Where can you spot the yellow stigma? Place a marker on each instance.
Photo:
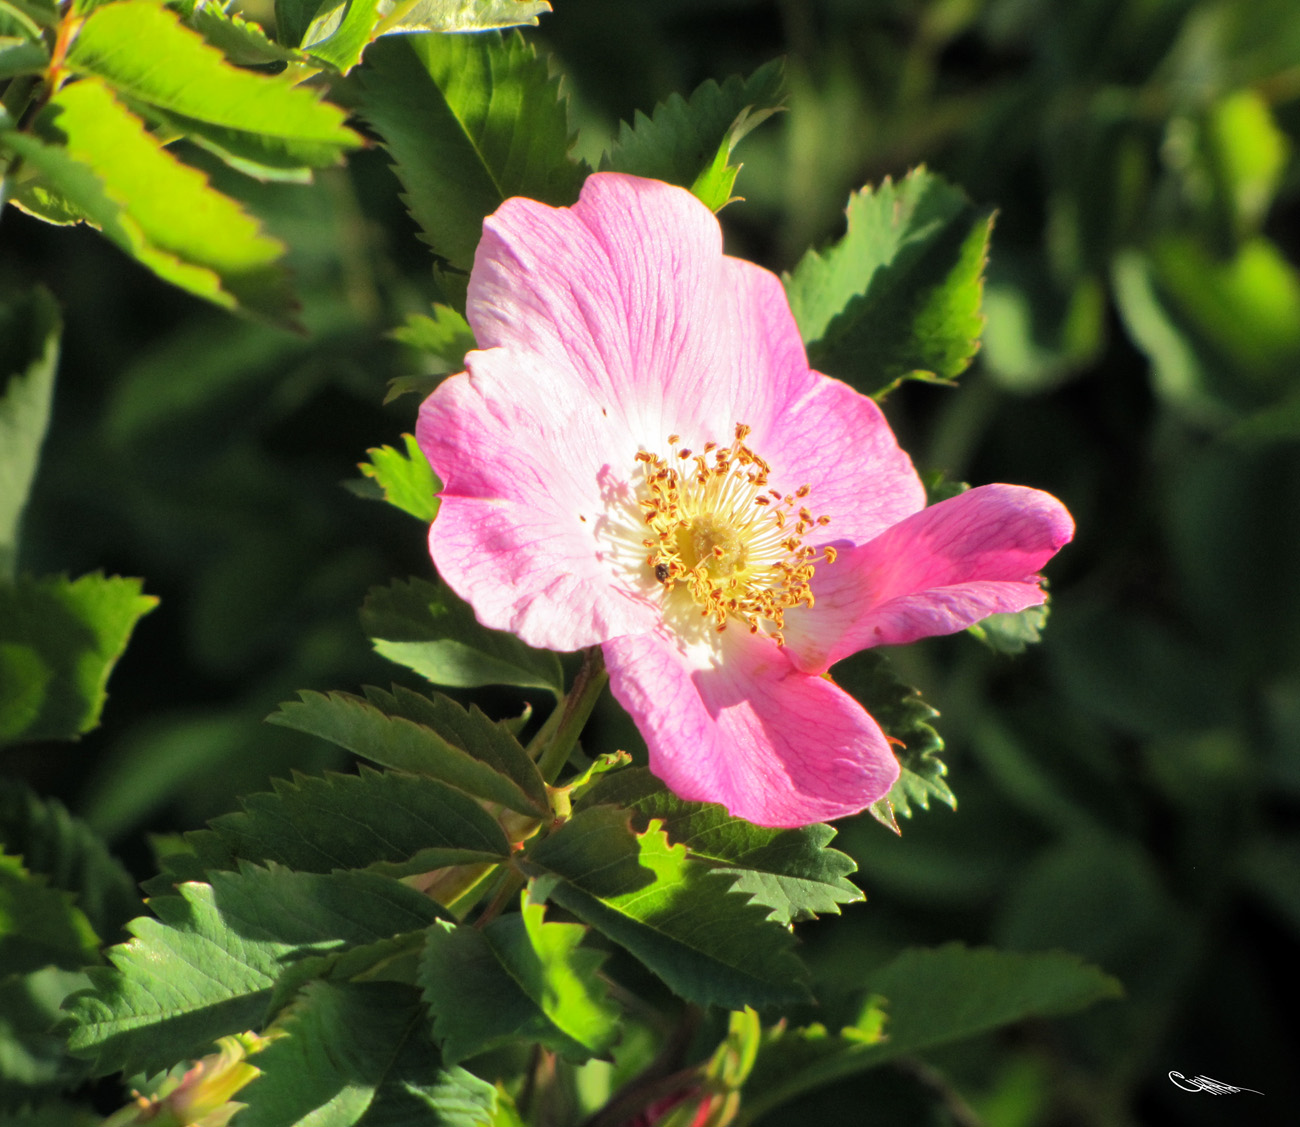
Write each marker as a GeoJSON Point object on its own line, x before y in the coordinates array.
{"type": "Point", "coordinates": [733, 542]}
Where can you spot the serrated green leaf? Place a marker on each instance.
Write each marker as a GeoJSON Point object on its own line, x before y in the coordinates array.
{"type": "Point", "coordinates": [264, 117]}
{"type": "Point", "coordinates": [517, 979]}
{"type": "Point", "coordinates": [932, 997]}
{"type": "Point", "coordinates": [396, 823]}
{"type": "Point", "coordinates": [689, 143]}
{"type": "Point", "coordinates": [33, 1060]}
{"type": "Point", "coordinates": [898, 296]}
{"type": "Point", "coordinates": [105, 164]}
{"type": "Point", "coordinates": [59, 639]}
{"type": "Point", "coordinates": [468, 751]}
{"type": "Point", "coordinates": [1012, 633]}
{"type": "Point", "coordinates": [39, 925]}
{"type": "Point", "coordinates": [241, 41]}
{"type": "Point", "coordinates": [63, 848]}
{"type": "Point", "coordinates": [207, 965]}
{"type": "Point", "coordinates": [361, 1055]}
{"type": "Point", "coordinates": [445, 337]}
{"type": "Point", "coordinates": [678, 916]}
{"type": "Point", "coordinates": [29, 351]}
{"type": "Point", "coordinates": [905, 718]}
{"type": "Point", "coordinates": [29, 57]}
{"type": "Point", "coordinates": [792, 872]}
{"type": "Point", "coordinates": [469, 121]}
{"type": "Point", "coordinates": [406, 480]}
{"type": "Point", "coordinates": [426, 628]}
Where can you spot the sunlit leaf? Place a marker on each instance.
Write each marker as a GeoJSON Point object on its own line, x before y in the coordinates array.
{"type": "Point", "coordinates": [405, 480]}
{"type": "Point", "coordinates": [263, 118]}
{"type": "Point", "coordinates": [59, 639]}
{"type": "Point", "coordinates": [689, 142]}
{"type": "Point", "coordinates": [678, 916]}
{"type": "Point", "coordinates": [519, 978]}
{"type": "Point", "coordinates": [898, 296]}
{"type": "Point", "coordinates": [793, 872]}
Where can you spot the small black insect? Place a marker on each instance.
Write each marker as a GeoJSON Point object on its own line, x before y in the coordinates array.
{"type": "Point", "coordinates": [661, 572]}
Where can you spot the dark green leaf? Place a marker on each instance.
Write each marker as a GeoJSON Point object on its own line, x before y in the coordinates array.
{"type": "Point", "coordinates": [468, 750]}
{"type": "Point", "coordinates": [932, 996]}
{"type": "Point", "coordinates": [40, 926]}
{"type": "Point", "coordinates": [395, 822]}
{"type": "Point", "coordinates": [904, 717]}
{"type": "Point", "coordinates": [898, 296]}
{"type": "Point", "coordinates": [469, 121]}
{"type": "Point", "coordinates": [58, 641]}
{"type": "Point", "coordinates": [55, 844]}
{"type": "Point", "coordinates": [29, 351]}
{"type": "Point", "coordinates": [33, 1060]}
{"type": "Point", "coordinates": [792, 872]}
{"type": "Point", "coordinates": [518, 978]}
{"type": "Point", "coordinates": [360, 1054]}
{"type": "Point", "coordinates": [428, 629]}
{"type": "Point", "coordinates": [678, 916]}
{"type": "Point", "coordinates": [406, 481]}
{"type": "Point", "coordinates": [689, 143]}
{"type": "Point", "coordinates": [206, 967]}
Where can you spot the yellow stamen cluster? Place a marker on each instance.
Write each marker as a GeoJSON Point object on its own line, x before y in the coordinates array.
{"type": "Point", "coordinates": [736, 544]}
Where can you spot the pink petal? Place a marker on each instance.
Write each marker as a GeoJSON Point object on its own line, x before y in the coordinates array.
{"type": "Point", "coordinates": [837, 442]}
{"type": "Point", "coordinates": [773, 745]}
{"type": "Point", "coordinates": [936, 572]}
{"type": "Point", "coordinates": [518, 531]}
{"type": "Point", "coordinates": [627, 297]}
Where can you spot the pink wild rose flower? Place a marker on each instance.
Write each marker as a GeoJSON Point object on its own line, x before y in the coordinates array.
{"type": "Point", "coordinates": [640, 458]}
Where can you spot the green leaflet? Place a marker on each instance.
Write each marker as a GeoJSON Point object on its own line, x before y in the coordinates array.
{"type": "Point", "coordinates": [405, 480]}
{"type": "Point", "coordinates": [360, 1055]}
{"type": "Point", "coordinates": [59, 639]}
{"type": "Point", "coordinates": [904, 716]}
{"type": "Point", "coordinates": [792, 872]}
{"type": "Point", "coordinates": [39, 925]}
{"type": "Point", "coordinates": [64, 849]}
{"type": "Point", "coordinates": [689, 143]}
{"type": "Point", "coordinates": [898, 296]}
{"type": "Point", "coordinates": [206, 967]}
{"type": "Point", "coordinates": [466, 750]}
{"type": "Point", "coordinates": [428, 629]}
{"type": "Point", "coordinates": [162, 212]}
{"type": "Point", "coordinates": [678, 916]}
{"type": "Point", "coordinates": [393, 822]}
{"type": "Point", "coordinates": [518, 978]}
{"type": "Point", "coordinates": [29, 350]}
{"type": "Point", "coordinates": [123, 44]}
{"type": "Point", "coordinates": [35, 1059]}
{"type": "Point", "coordinates": [468, 121]}
{"type": "Point", "coordinates": [932, 997]}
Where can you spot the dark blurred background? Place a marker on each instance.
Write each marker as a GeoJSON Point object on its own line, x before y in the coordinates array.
{"type": "Point", "coordinates": [1127, 788]}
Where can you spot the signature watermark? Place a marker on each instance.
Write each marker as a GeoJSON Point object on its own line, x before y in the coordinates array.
{"type": "Point", "coordinates": [1205, 1084]}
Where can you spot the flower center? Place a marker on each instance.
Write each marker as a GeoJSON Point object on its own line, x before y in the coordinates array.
{"type": "Point", "coordinates": [734, 543]}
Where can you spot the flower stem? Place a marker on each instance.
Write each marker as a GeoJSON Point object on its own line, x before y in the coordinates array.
{"type": "Point", "coordinates": [573, 712]}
